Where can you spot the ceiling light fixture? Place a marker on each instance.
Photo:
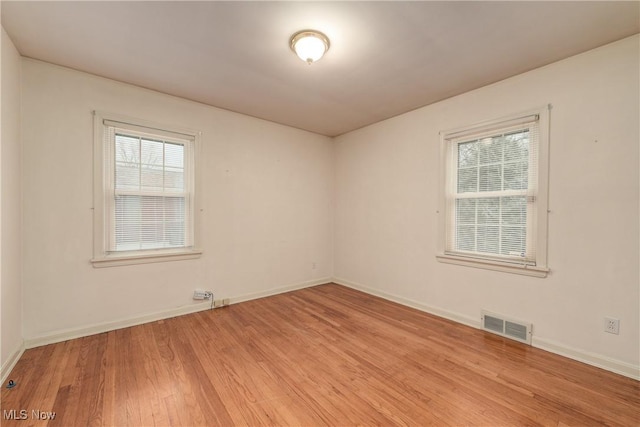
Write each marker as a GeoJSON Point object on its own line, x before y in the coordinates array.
{"type": "Point", "coordinates": [309, 45]}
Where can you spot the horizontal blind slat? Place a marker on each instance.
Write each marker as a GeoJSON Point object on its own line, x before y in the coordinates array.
{"type": "Point", "coordinates": [147, 131]}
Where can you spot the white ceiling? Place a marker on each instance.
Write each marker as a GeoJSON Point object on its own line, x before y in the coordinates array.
{"type": "Point", "coordinates": [386, 58]}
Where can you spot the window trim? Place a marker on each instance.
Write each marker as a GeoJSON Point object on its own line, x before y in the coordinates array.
{"type": "Point", "coordinates": [101, 257]}
{"type": "Point", "coordinates": [540, 269]}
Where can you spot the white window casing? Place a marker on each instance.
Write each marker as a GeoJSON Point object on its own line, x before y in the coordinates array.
{"type": "Point", "coordinates": [493, 194]}
{"type": "Point", "coordinates": [145, 192]}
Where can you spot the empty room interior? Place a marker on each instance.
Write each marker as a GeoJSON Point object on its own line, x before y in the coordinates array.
{"type": "Point", "coordinates": [320, 213]}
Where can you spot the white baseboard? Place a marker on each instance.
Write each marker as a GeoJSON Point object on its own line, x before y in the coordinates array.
{"type": "Point", "coordinates": [99, 328]}
{"type": "Point", "coordinates": [593, 359]}
{"type": "Point", "coordinates": [67, 334]}
{"type": "Point", "coordinates": [10, 363]}
{"type": "Point", "coordinates": [279, 290]}
{"type": "Point", "coordinates": [597, 360]}
{"type": "Point", "coordinates": [456, 317]}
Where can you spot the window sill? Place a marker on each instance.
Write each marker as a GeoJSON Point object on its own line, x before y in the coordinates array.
{"type": "Point", "coordinates": [144, 258]}
{"type": "Point", "coordinates": [526, 270]}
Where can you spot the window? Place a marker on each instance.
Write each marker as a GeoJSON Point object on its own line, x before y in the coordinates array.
{"type": "Point", "coordinates": [144, 192]}
{"type": "Point", "coordinates": [493, 208]}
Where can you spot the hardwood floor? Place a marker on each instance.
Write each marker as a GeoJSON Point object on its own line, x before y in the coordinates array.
{"type": "Point", "coordinates": [326, 355]}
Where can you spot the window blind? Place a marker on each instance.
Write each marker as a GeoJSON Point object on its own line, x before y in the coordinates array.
{"type": "Point", "coordinates": [491, 191]}
{"type": "Point", "coordinates": [149, 194]}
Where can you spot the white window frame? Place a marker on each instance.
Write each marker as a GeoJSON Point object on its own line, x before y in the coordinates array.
{"type": "Point", "coordinates": [537, 268]}
{"type": "Point", "coordinates": [103, 182]}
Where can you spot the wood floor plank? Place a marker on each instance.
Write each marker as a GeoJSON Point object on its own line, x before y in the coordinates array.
{"type": "Point", "coordinates": [326, 355]}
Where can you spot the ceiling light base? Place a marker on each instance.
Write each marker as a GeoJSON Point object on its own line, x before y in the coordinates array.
{"type": "Point", "coordinates": [309, 45]}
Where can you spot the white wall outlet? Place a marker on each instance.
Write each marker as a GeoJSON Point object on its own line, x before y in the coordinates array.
{"type": "Point", "coordinates": [612, 325]}
{"type": "Point", "coordinates": [313, 265]}
{"type": "Point", "coordinates": [199, 294]}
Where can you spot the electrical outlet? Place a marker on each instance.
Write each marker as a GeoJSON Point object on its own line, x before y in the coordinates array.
{"type": "Point", "coordinates": [199, 294]}
{"type": "Point", "coordinates": [612, 325]}
{"type": "Point", "coordinates": [313, 265]}
{"type": "Point", "coordinates": [225, 302]}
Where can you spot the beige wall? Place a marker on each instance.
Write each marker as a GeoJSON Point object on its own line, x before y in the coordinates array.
{"type": "Point", "coordinates": [10, 202]}
{"type": "Point", "coordinates": [387, 195]}
{"type": "Point", "coordinates": [267, 205]}
{"type": "Point", "coordinates": [269, 214]}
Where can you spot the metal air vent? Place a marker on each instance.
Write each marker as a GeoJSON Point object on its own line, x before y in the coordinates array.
{"type": "Point", "coordinates": [509, 328]}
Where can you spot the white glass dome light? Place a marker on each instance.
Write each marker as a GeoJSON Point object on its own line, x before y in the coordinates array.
{"type": "Point", "coordinates": [309, 45]}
